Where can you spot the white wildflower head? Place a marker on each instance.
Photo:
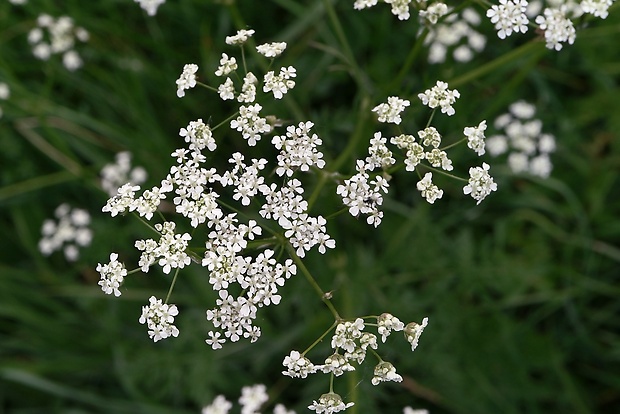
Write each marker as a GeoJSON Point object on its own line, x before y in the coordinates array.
{"type": "Point", "coordinates": [456, 33]}
{"type": "Point", "coordinates": [279, 84]}
{"type": "Point", "coordinates": [250, 123]}
{"type": "Point", "coordinates": [385, 371]}
{"type": "Point", "coordinates": [386, 323]}
{"type": "Point", "coordinates": [509, 16]}
{"type": "Point", "coordinates": [227, 65]}
{"type": "Point", "coordinates": [187, 80]}
{"type": "Point", "coordinates": [271, 50]}
{"type": "Point", "coordinates": [54, 36]}
{"type": "Point", "coordinates": [440, 95]}
{"type": "Point", "coordinates": [297, 365]}
{"type": "Point", "coordinates": [390, 112]}
{"type": "Point", "coordinates": [480, 183]}
{"type": "Point", "coordinates": [558, 28]}
{"type": "Point", "coordinates": [329, 403]}
{"type": "Point", "coordinates": [252, 397]}
{"type": "Point", "coordinates": [240, 38]}
{"type": "Point", "coordinates": [159, 319]}
{"type": "Point", "coordinates": [169, 252]}
{"type": "Point", "coordinates": [298, 149]}
{"type": "Point", "coordinates": [362, 4]}
{"type": "Point", "coordinates": [413, 331]}
{"type": "Point", "coordinates": [69, 232]}
{"type": "Point", "coordinates": [198, 135]}
{"type": "Point", "coordinates": [336, 364]}
{"type": "Point", "coordinates": [429, 190]}
{"type": "Point", "coordinates": [475, 137]}
{"type": "Point", "coordinates": [400, 8]}
{"type": "Point", "coordinates": [434, 12]}
{"type": "Point", "coordinates": [597, 8]}
{"type": "Point", "coordinates": [112, 275]}
{"type": "Point", "coordinates": [220, 405]}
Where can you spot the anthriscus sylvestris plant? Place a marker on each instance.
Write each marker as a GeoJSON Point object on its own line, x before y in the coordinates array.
{"type": "Point", "coordinates": [249, 257]}
{"type": "Point", "coordinates": [247, 279]}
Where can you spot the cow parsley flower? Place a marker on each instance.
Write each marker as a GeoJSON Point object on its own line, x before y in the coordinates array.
{"type": "Point", "coordinates": [386, 323]}
{"type": "Point", "coordinates": [455, 32]}
{"type": "Point", "coordinates": [187, 80]}
{"type": "Point", "coordinates": [297, 365]}
{"type": "Point", "coordinates": [434, 12]}
{"type": "Point", "coordinates": [400, 8]}
{"type": "Point", "coordinates": [168, 252]}
{"type": "Point", "coordinates": [250, 123]}
{"type": "Point", "coordinates": [298, 149]}
{"type": "Point", "coordinates": [227, 65]}
{"type": "Point", "coordinates": [385, 371]}
{"type": "Point", "coordinates": [329, 403]}
{"type": "Point", "coordinates": [112, 275]}
{"type": "Point", "coordinates": [240, 38]}
{"type": "Point", "coordinates": [557, 27]}
{"type": "Point", "coordinates": [362, 4]}
{"type": "Point", "coordinates": [252, 397]}
{"type": "Point", "coordinates": [70, 231]}
{"type": "Point", "coordinates": [429, 190]}
{"type": "Point", "coordinates": [390, 112]}
{"type": "Point", "coordinates": [159, 318]}
{"type": "Point", "coordinates": [508, 17]}
{"type": "Point", "coordinates": [271, 50]}
{"type": "Point", "coordinates": [220, 405]}
{"type": "Point", "coordinates": [279, 84]}
{"type": "Point", "coordinates": [413, 331]}
{"type": "Point", "coordinates": [475, 137]}
{"type": "Point", "coordinates": [440, 95]}
{"type": "Point", "coordinates": [597, 8]}
{"type": "Point", "coordinates": [480, 183]}
{"type": "Point", "coordinates": [57, 36]}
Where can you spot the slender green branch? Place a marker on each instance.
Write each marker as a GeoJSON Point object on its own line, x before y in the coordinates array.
{"type": "Point", "coordinates": [313, 283]}
{"type": "Point", "coordinates": [320, 338]}
{"type": "Point", "coordinates": [454, 144]}
{"type": "Point", "coordinates": [174, 280]}
{"type": "Point", "coordinates": [204, 85]}
{"type": "Point", "coordinates": [439, 171]}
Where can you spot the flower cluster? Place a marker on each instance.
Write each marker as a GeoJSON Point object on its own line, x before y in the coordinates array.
{"type": "Point", "coordinates": [67, 234]}
{"type": "Point", "coordinates": [159, 318]}
{"type": "Point", "coordinates": [187, 80]}
{"type": "Point", "coordinates": [527, 146]}
{"type": "Point", "coordinates": [112, 275]}
{"type": "Point", "coordinates": [57, 36]}
{"type": "Point", "coordinates": [440, 95]}
{"type": "Point", "coordinates": [251, 400]}
{"type": "Point", "coordinates": [350, 343]}
{"type": "Point", "coordinates": [390, 111]}
{"type": "Point", "coordinates": [455, 32]}
{"type": "Point", "coordinates": [150, 6]}
{"type": "Point", "coordinates": [508, 17]}
{"type": "Point", "coordinates": [113, 176]}
{"type": "Point", "coordinates": [169, 252]}
{"type": "Point", "coordinates": [480, 183]}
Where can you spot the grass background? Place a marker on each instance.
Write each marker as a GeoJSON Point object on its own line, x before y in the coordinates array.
{"type": "Point", "coordinates": [521, 292]}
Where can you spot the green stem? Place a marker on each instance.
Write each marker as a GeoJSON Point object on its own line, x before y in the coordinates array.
{"type": "Point", "coordinates": [204, 85]}
{"type": "Point", "coordinates": [227, 120]}
{"type": "Point", "coordinates": [174, 279]}
{"type": "Point", "coordinates": [354, 140]}
{"type": "Point", "coordinates": [454, 144]}
{"type": "Point", "coordinates": [320, 338]}
{"type": "Point", "coordinates": [312, 282]}
{"type": "Point", "coordinates": [437, 170]}
{"type": "Point", "coordinates": [413, 53]}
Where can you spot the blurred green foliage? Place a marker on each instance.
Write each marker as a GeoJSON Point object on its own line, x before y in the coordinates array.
{"type": "Point", "coordinates": [522, 292]}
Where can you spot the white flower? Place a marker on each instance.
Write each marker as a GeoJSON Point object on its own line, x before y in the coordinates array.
{"type": "Point", "coordinates": [362, 4]}
{"type": "Point", "coordinates": [336, 364]}
{"type": "Point", "coordinates": [227, 65]}
{"type": "Point", "coordinates": [159, 318]}
{"type": "Point", "coordinates": [329, 403]}
{"type": "Point", "coordinates": [250, 123]}
{"type": "Point", "coordinates": [67, 234]}
{"type": "Point", "coordinates": [298, 149]}
{"type": "Point", "coordinates": [480, 183]}
{"type": "Point", "coordinates": [219, 406]}
{"type": "Point", "coordinates": [214, 340]}
{"type": "Point", "coordinates": [598, 8]}
{"type": "Point", "coordinates": [429, 190]}
{"type": "Point", "coordinates": [409, 410]}
{"type": "Point", "coordinates": [434, 12]}
{"type": "Point", "coordinates": [248, 90]}
{"type": "Point", "coordinates": [187, 80]}
{"type": "Point", "coordinates": [509, 16]}
{"type": "Point", "coordinates": [271, 50]}
{"type": "Point", "coordinates": [168, 252]}
{"type": "Point", "coordinates": [5, 92]}
{"type": "Point", "coordinates": [475, 137]}
{"type": "Point", "coordinates": [386, 323]}
{"type": "Point", "coordinates": [240, 38]}
{"type": "Point", "coordinates": [281, 83]}
{"type": "Point", "coordinates": [57, 36]}
{"type": "Point", "coordinates": [390, 112]}
{"type": "Point", "coordinates": [440, 95]}
{"type": "Point", "coordinates": [112, 275]}
{"type": "Point", "coordinates": [557, 27]}
{"type": "Point", "coordinates": [227, 90]}
{"type": "Point", "coordinates": [298, 366]}
{"type": "Point", "coordinates": [413, 331]}
{"type": "Point", "coordinates": [198, 135]}
{"type": "Point", "coordinates": [252, 398]}
{"type": "Point", "coordinates": [430, 137]}
{"type": "Point", "coordinates": [400, 8]}
{"type": "Point", "coordinates": [385, 371]}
